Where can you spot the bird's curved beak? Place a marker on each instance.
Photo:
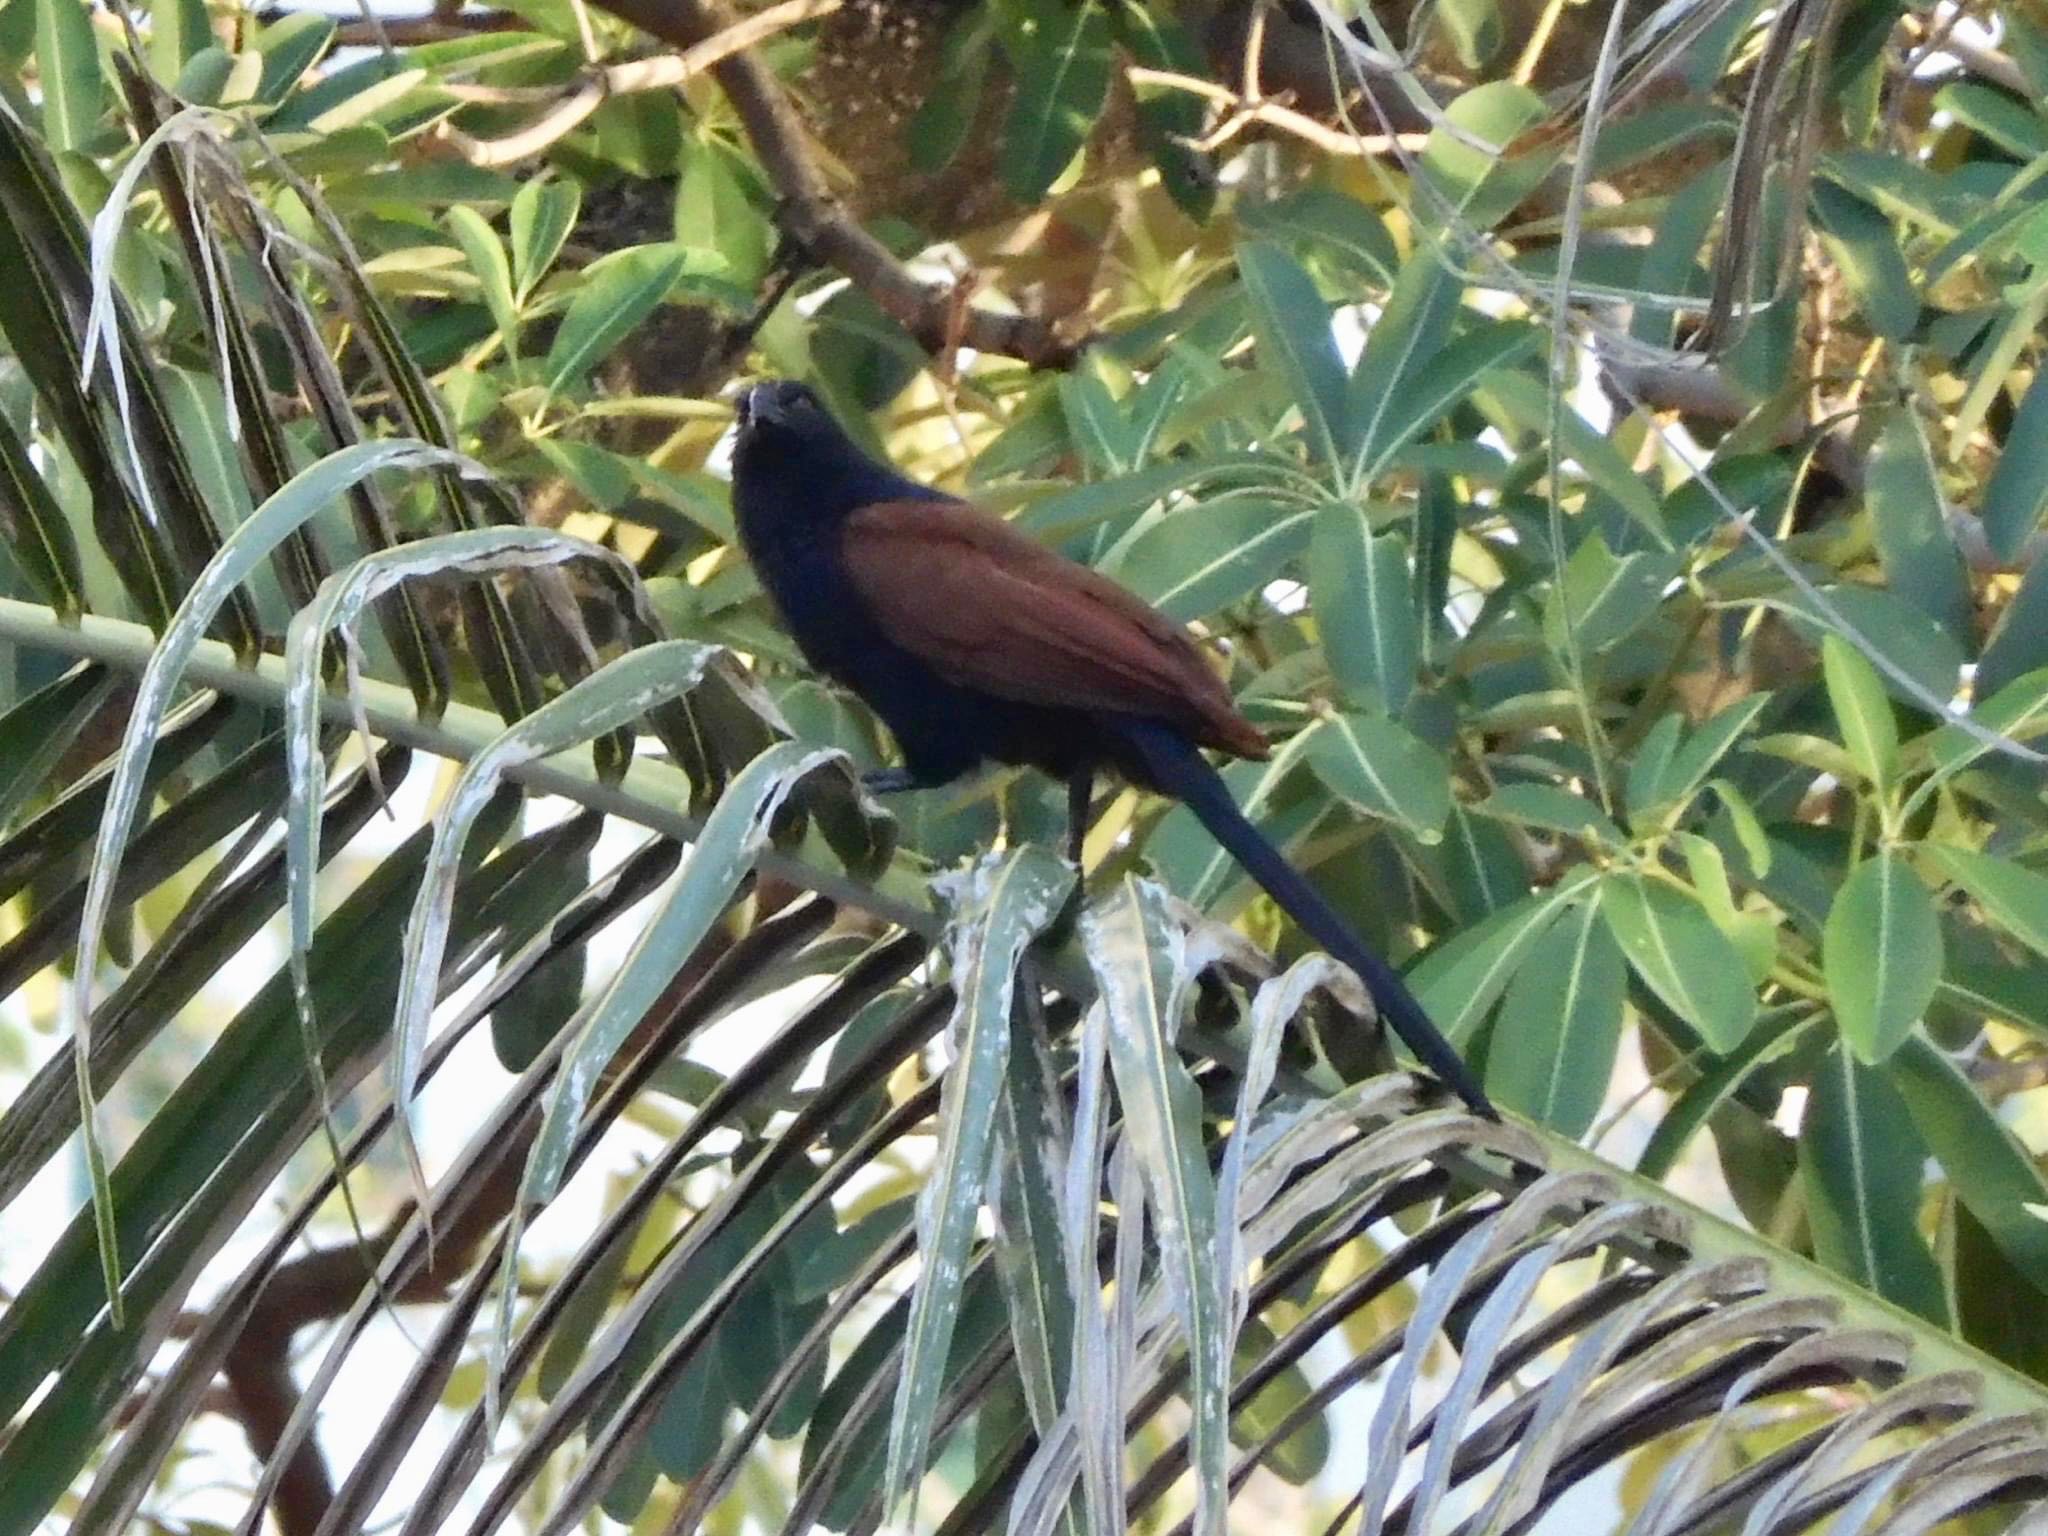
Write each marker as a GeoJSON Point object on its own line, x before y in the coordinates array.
{"type": "Point", "coordinates": [759, 404]}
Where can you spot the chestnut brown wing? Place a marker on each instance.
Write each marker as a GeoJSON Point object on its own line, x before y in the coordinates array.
{"type": "Point", "coordinates": [991, 610]}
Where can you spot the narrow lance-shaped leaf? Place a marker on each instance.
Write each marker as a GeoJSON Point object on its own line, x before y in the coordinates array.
{"type": "Point", "coordinates": [1364, 607]}
{"type": "Point", "coordinates": [1919, 554]}
{"type": "Point", "coordinates": [725, 850]}
{"type": "Point", "coordinates": [35, 321]}
{"type": "Point", "coordinates": [2013, 897]}
{"type": "Point", "coordinates": [1412, 327]}
{"type": "Point", "coordinates": [1860, 1165]}
{"type": "Point", "coordinates": [1882, 954]}
{"type": "Point", "coordinates": [2017, 493]}
{"type": "Point", "coordinates": [1992, 1172]}
{"type": "Point", "coordinates": [37, 532]}
{"type": "Point", "coordinates": [1862, 711]}
{"type": "Point", "coordinates": [1445, 378]}
{"type": "Point", "coordinates": [1095, 1399]}
{"type": "Point", "coordinates": [1384, 769]}
{"type": "Point", "coordinates": [616, 295]}
{"type": "Point", "coordinates": [1293, 327]}
{"type": "Point", "coordinates": [543, 213]}
{"type": "Point", "coordinates": [493, 269]}
{"type": "Point", "coordinates": [343, 599]}
{"type": "Point", "coordinates": [1197, 559]}
{"type": "Point", "coordinates": [156, 451]}
{"type": "Point", "coordinates": [617, 695]}
{"type": "Point", "coordinates": [1032, 1147]}
{"type": "Point", "coordinates": [1061, 57]}
{"type": "Point", "coordinates": [1552, 1050]}
{"type": "Point", "coordinates": [1686, 960]}
{"type": "Point", "coordinates": [68, 69]}
{"type": "Point", "coordinates": [251, 420]}
{"type": "Point", "coordinates": [1139, 958]}
{"type": "Point", "coordinates": [1002, 904]}
{"type": "Point", "coordinates": [311, 490]}
{"type": "Point", "coordinates": [40, 729]}
{"type": "Point", "coordinates": [1460, 979]}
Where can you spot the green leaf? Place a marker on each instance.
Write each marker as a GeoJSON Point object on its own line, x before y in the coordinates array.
{"type": "Point", "coordinates": [1168, 119]}
{"type": "Point", "coordinates": [1060, 54]}
{"type": "Point", "coordinates": [39, 729]}
{"type": "Point", "coordinates": [1445, 378]}
{"type": "Point", "coordinates": [1554, 810]}
{"type": "Point", "coordinates": [1862, 712]}
{"type": "Point", "coordinates": [1882, 955]}
{"type": "Point", "coordinates": [1525, 401]}
{"type": "Point", "coordinates": [1717, 1083]}
{"type": "Point", "coordinates": [1413, 326]}
{"type": "Point", "coordinates": [1860, 1166]}
{"type": "Point", "coordinates": [1605, 598]}
{"type": "Point", "coordinates": [616, 295]}
{"type": "Point", "coordinates": [1920, 558]}
{"type": "Point", "coordinates": [2020, 643]}
{"type": "Point", "coordinates": [38, 533]}
{"type": "Point", "coordinates": [543, 214]}
{"type": "Point", "coordinates": [1682, 957]}
{"type": "Point", "coordinates": [1709, 742]}
{"type": "Point", "coordinates": [1457, 981]}
{"type": "Point", "coordinates": [1553, 1047]}
{"type": "Point", "coordinates": [717, 211]}
{"type": "Point", "coordinates": [68, 67]}
{"type": "Point", "coordinates": [1483, 186]}
{"type": "Point", "coordinates": [1997, 116]}
{"type": "Point", "coordinates": [487, 259]}
{"type": "Point", "coordinates": [1866, 251]}
{"type": "Point", "coordinates": [1365, 608]}
{"type": "Point", "coordinates": [1990, 1170]}
{"type": "Point", "coordinates": [2013, 897]}
{"type": "Point", "coordinates": [1326, 219]}
{"type": "Point", "coordinates": [1293, 327]}
{"type": "Point", "coordinates": [1652, 763]}
{"type": "Point", "coordinates": [1475, 30]}
{"type": "Point", "coordinates": [290, 46]}
{"type": "Point", "coordinates": [2017, 493]}
{"type": "Point", "coordinates": [177, 30]}
{"type": "Point", "coordinates": [1199, 558]}
{"type": "Point", "coordinates": [1002, 905]}
{"type": "Point", "coordinates": [1378, 765]}
{"type": "Point", "coordinates": [1034, 1146]}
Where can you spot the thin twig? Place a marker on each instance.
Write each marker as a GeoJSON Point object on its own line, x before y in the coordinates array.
{"type": "Point", "coordinates": [665, 72]}
{"type": "Point", "coordinates": [1240, 113]}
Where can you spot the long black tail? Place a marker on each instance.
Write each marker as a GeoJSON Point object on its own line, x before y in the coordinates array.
{"type": "Point", "coordinates": [1175, 766]}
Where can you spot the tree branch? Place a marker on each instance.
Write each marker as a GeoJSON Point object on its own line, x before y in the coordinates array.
{"type": "Point", "coordinates": [815, 219]}
{"type": "Point", "coordinates": [570, 107]}
{"type": "Point", "coordinates": [1706, 394]}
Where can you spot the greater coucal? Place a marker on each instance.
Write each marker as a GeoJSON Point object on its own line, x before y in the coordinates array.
{"type": "Point", "coordinates": [975, 644]}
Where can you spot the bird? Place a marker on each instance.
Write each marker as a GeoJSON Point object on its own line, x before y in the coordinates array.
{"type": "Point", "coordinates": [976, 644]}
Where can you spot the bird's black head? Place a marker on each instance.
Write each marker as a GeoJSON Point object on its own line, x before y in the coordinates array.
{"type": "Point", "coordinates": [795, 465]}
{"type": "Point", "coordinates": [775, 407]}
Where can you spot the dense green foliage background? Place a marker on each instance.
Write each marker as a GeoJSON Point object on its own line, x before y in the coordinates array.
{"type": "Point", "coordinates": [1606, 453]}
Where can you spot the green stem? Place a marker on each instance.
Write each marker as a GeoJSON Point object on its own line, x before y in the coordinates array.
{"type": "Point", "coordinates": [648, 795]}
